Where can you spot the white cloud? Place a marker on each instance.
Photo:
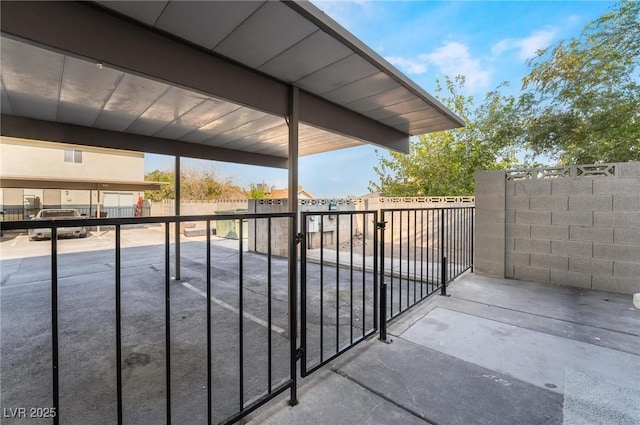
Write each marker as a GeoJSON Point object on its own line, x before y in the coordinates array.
{"type": "Point", "coordinates": [526, 47]}
{"type": "Point", "coordinates": [452, 58]}
{"type": "Point", "coordinates": [410, 66]}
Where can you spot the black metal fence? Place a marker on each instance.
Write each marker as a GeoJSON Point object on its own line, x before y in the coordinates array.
{"type": "Point", "coordinates": [338, 284]}
{"type": "Point", "coordinates": [358, 271]}
{"type": "Point", "coordinates": [420, 251]}
{"type": "Point", "coordinates": [261, 339]}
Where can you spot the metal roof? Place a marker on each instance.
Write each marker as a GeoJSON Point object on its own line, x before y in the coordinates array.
{"type": "Point", "coordinates": [203, 78]}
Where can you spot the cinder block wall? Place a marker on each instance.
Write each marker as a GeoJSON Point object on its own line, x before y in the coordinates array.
{"type": "Point", "coordinates": [576, 226]}
{"type": "Point", "coordinates": [489, 248]}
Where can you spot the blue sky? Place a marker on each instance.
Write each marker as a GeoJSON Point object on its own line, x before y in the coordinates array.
{"type": "Point", "coordinates": [488, 42]}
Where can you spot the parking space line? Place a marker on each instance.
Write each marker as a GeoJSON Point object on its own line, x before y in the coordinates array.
{"type": "Point", "coordinates": [15, 240]}
{"type": "Point", "coordinates": [234, 309]}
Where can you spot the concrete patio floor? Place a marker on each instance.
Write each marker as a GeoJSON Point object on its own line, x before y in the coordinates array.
{"type": "Point", "coordinates": [494, 352]}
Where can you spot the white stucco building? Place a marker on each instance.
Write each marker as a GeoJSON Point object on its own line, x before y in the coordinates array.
{"type": "Point", "coordinates": [38, 174]}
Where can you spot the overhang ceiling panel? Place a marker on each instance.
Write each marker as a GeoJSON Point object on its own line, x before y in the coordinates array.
{"type": "Point", "coordinates": [369, 86]}
{"type": "Point", "coordinates": [32, 80]}
{"type": "Point", "coordinates": [313, 148]}
{"type": "Point", "coordinates": [133, 96]}
{"type": "Point", "coordinates": [277, 131]}
{"type": "Point", "coordinates": [250, 127]}
{"type": "Point", "coordinates": [167, 110]}
{"type": "Point", "coordinates": [84, 91]}
{"type": "Point", "coordinates": [269, 31]}
{"type": "Point", "coordinates": [144, 11]}
{"type": "Point", "coordinates": [227, 122]}
{"type": "Point", "coordinates": [201, 115]}
{"type": "Point", "coordinates": [438, 123]}
{"type": "Point", "coordinates": [205, 23]}
{"type": "Point", "coordinates": [5, 104]}
{"type": "Point", "coordinates": [381, 100]}
{"type": "Point", "coordinates": [401, 109]}
{"type": "Point", "coordinates": [339, 74]}
{"type": "Point", "coordinates": [408, 118]}
{"type": "Point", "coordinates": [313, 53]}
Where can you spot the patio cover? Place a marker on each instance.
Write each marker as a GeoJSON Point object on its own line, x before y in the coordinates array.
{"type": "Point", "coordinates": [22, 182]}
{"type": "Point", "coordinates": [205, 79]}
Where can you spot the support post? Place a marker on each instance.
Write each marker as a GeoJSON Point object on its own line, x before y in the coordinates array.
{"type": "Point", "coordinates": [443, 254]}
{"type": "Point", "coordinates": [380, 227]}
{"type": "Point", "coordinates": [443, 277]}
{"type": "Point", "coordinates": [294, 115]}
{"type": "Point", "coordinates": [177, 214]}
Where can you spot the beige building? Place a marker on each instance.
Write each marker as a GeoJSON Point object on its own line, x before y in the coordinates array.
{"type": "Point", "coordinates": [38, 174]}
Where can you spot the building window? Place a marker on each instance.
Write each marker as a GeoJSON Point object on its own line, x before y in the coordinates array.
{"type": "Point", "coordinates": [73, 155]}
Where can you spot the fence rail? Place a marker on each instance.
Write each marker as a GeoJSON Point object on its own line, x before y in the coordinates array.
{"type": "Point", "coordinates": [247, 400]}
{"type": "Point", "coordinates": [358, 271]}
{"type": "Point", "coordinates": [421, 249]}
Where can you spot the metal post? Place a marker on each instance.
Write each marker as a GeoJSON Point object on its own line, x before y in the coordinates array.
{"type": "Point", "coordinates": [473, 216]}
{"type": "Point", "coordinates": [443, 277]}
{"type": "Point", "coordinates": [442, 239]}
{"type": "Point", "coordinates": [383, 286]}
{"type": "Point", "coordinates": [177, 213]}
{"type": "Point", "coordinates": [209, 354]}
{"type": "Point", "coordinates": [167, 321]}
{"type": "Point", "coordinates": [294, 95]}
{"type": "Point", "coordinates": [119, 323]}
{"type": "Point", "coordinates": [54, 324]}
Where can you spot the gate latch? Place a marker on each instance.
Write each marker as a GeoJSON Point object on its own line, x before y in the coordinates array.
{"type": "Point", "coordinates": [299, 353]}
{"type": "Point", "coordinates": [381, 225]}
{"type": "Point", "coordinates": [299, 238]}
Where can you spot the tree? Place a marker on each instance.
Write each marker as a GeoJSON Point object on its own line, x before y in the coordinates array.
{"type": "Point", "coordinates": [257, 191]}
{"type": "Point", "coordinates": [444, 163]}
{"type": "Point", "coordinates": [582, 97]}
{"type": "Point", "coordinates": [167, 190]}
{"type": "Point", "coordinates": [195, 185]}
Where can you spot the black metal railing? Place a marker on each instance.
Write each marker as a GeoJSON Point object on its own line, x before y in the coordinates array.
{"type": "Point", "coordinates": [339, 286]}
{"type": "Point", "coordinates": [358, 271]}
{"type": "Point", "coordinates": [420, 251]}
{"type": "Point", "coordinates": [262, 340]}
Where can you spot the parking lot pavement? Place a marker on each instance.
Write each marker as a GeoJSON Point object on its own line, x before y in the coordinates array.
{"type": "Point", "coordinates": [86, 328]}
{"type": "Point", "coordinates": [18, 245]}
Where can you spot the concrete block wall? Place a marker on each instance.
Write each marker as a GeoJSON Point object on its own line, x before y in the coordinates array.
{"type": "Point", "coordinates": [490, 223]}
{"type": "Point", "coordinates": [259, 228]}
{"type": "Point", "coordinates": [576, 226]}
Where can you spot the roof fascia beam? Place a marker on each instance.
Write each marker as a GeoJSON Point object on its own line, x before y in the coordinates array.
{"type": "Point", "coordinates": [27, 128]}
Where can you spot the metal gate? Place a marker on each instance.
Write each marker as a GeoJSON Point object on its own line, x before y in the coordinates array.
{"type": "Point", "coordinates": [338, 284]}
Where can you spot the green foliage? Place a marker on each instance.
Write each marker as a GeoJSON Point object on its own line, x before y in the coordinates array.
{"type": "Point", "coordinates": [582, 99]}
{"type": "Point", "coordinates": [195, 185]}
{"type": "Point", "coordinates": [167, 190]}
{"type": "Point", "coordinates": [444, 163]}
{"type": "Point", "coordinates": [257, 191]}
{"type": "Point", "coordinates": [580, 105]}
